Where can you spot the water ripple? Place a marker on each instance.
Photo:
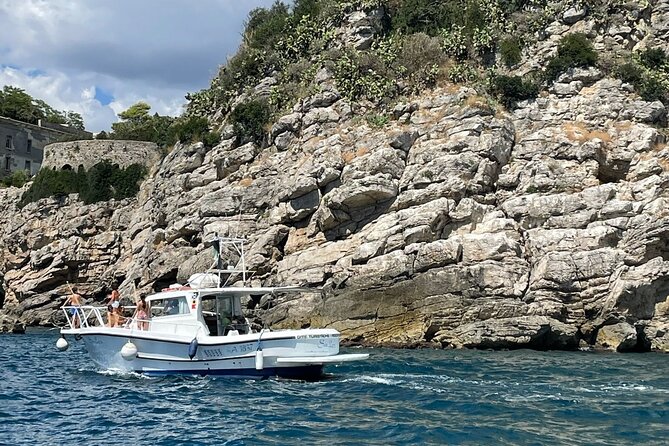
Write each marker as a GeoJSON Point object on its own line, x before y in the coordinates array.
{"type": "Point", "coordinates": [398, 397]}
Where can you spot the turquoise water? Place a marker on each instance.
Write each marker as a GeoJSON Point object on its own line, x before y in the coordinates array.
{"type": "Point", "coordinates": [397, 397]}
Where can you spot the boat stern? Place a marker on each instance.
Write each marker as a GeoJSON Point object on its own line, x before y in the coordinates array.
{"type": "Point", "coordinates": [321, 342]}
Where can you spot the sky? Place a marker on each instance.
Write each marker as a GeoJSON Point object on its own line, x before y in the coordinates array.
{"type": "Point", "coordinates": [98, 57]}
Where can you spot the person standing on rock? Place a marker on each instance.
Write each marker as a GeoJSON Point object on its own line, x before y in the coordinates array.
{"type": "Point", "coordinates": [74, 300]}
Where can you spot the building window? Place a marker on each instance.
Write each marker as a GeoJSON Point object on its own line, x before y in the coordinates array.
{"type": "Point", "coordinates": [8, 163]}
{"type": "Point", "coordinates": [8, 142]}
{"type": "Point", "coordinates": [27, 165]}
{"type": "Point", "coordinates": [29, 147]}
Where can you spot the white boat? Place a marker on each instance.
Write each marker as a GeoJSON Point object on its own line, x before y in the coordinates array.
{"type": "Point", "coordinates": [199, 329]}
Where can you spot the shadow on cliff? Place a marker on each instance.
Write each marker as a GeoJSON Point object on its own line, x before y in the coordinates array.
{"type": "Point", "coordinates": [360, 217]}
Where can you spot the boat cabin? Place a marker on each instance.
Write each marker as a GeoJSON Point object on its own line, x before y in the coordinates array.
{"type": "Point", "coordinates": [215, 311]}
{"type": "Point", "coordinates": [222, 314]}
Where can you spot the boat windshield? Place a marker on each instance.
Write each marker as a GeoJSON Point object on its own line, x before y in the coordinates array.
{"type": "Point", "coordinates": [223, 314]}
{"type": "Point", "coordinates": [169, 306]}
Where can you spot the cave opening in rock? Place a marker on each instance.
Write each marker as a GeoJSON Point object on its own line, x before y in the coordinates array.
{"type": "Point", "coordinates": [613, 172]}
{"type": "Point", "coordinates": [657, 246]}
{"type": "Point", "coordinates": [165, 280]}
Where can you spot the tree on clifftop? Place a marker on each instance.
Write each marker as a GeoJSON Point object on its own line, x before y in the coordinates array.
{"type": "Point", "coordinates": [74, 120]}
{"type": "Point", "coordinates": [136, 112]}
{"type": "Point", "coordinates": [137, 124]}
{"type": "Point", "coordinates": [15, 103]}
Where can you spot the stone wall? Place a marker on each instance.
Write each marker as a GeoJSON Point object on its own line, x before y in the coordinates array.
{"type": "Point", "coordinates": [72, 154]}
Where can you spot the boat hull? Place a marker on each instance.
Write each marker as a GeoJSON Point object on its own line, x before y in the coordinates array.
{"type": "Point", "coordinates": [231, 356]}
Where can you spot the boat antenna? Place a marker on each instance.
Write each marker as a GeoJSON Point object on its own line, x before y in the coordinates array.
{"type": "Point", "coordinates": [216, 245]}
{"type": "Point", "coordinates": [218, 259]}
{"type": "Point", "coordinates": [239, 218]}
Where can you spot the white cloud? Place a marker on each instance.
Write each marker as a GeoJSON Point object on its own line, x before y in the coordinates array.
{"type": "Point", "coordinates": [151, 50]}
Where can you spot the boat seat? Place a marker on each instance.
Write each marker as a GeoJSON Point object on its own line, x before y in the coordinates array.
{"type": "Point", "coordinates": [211, 324]}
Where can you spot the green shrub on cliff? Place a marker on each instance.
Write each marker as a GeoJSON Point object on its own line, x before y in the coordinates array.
{"type": "Point", "coordinates": [653, 58]}
{"type": "Point", "coordinates": [574, 50]}
{"type": "Point", "coordinates": [249, 120]}
{"type": "Point", "coordinates": [297, 47]}
{"type": "Point", "coordinates": [363, 76]}
{"type": "Point", "coordinates": [376, 120]}
{"type": "Point", "coordinates": [265, 25]}
{"type": "Point", "coordinates": [510, 51]}
{"type": "Point", "coordinates": [99, 183]}
{"type": "Point", "coordinates": [310, 8]}
{"type": "Point", "coordinates": [468, 27]}
{"type": "Point", "coordinates": [655, 83]}
{"type": "Point", "coordinates": [102, 182]}
{"type": "Point", "coordinates": [192, 129]}
{"type": "Point", "coordinates": [16, 179]}
{"type": "Point", "coordinates": [511, 89]}
{"type": "Point", "coordinates": [654, 88]}
{"type": "Point", "coordinates": [462, 73]}
{"type": "Point", "coordinates": [426, 16]}
{"type": "Point", "coordinates": [125, 182]}
{"type": "Point", "coordinates": [648, 72]}
{"type": "Point", "coordinates": [631, 73]}
{"type": "Point", "coordinates": [419, 60]}
{"type": "Point", "coordinates": [50, 183]}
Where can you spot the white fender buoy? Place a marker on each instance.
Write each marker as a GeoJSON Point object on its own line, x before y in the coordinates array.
{"type": "Point", "coordinates": [129, 351]}
{"type": "Point", "coordinates": [62, 344]}
{"type": "Point", "coordinates": [260, 360]}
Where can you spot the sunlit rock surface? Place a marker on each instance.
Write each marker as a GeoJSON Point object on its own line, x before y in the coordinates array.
{"type": "Point", "coordinates": [456, 225]}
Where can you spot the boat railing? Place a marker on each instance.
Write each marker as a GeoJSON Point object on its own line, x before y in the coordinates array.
{"type": "Point", "coordinates": [166, 327]}
{"type": "Point", "coordinates": [88, 316]}
{"type": "Point", "coordinates": [84, 316]}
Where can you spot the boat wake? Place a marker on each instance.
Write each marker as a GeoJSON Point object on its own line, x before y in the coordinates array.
{"type": "Point", "coordinates": [120, 373]}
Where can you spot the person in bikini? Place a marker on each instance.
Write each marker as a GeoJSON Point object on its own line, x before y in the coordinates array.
{"type": "Point", "coordinates": [142, 314]}
{"type": "Point", "coordinates": [114, 308]}
{"type": "Point", "coordinates": [74, 300]}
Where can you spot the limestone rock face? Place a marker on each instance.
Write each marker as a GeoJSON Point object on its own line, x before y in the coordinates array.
{"type": "Point", "coordinates": [573, 15]}
{"type": "Point", "coordinates": [618, 337]}
{"type": "Point", "coordinates": [361, 28]}
{"type": "Point", "coordinates": [10, 324]}
{"type": "Point", "coordinates": [525, 331]}
{"type": "Point", "coordinates": [456, 224]}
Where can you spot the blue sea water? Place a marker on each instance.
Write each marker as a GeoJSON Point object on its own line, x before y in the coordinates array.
{"type": "Point", "coordinates": [397, 397]}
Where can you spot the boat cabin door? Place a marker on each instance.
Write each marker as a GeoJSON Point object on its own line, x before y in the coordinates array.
{"type": "Point", "coordinates": [230, 317]}
{"type": "Point", "coordinates": [224, 312]}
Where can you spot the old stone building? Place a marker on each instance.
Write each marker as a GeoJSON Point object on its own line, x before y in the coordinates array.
{"type": "Point", "coordinates": [75, 154]}
{"type": "Point", "coordinates": [22, 144]}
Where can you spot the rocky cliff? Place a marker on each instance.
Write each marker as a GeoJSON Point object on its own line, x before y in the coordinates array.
{"type": "Point", "coordinates": [457, 223]}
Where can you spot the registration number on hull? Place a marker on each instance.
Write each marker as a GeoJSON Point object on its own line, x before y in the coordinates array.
{"type": "Point", "coordinates": [219, 352]}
